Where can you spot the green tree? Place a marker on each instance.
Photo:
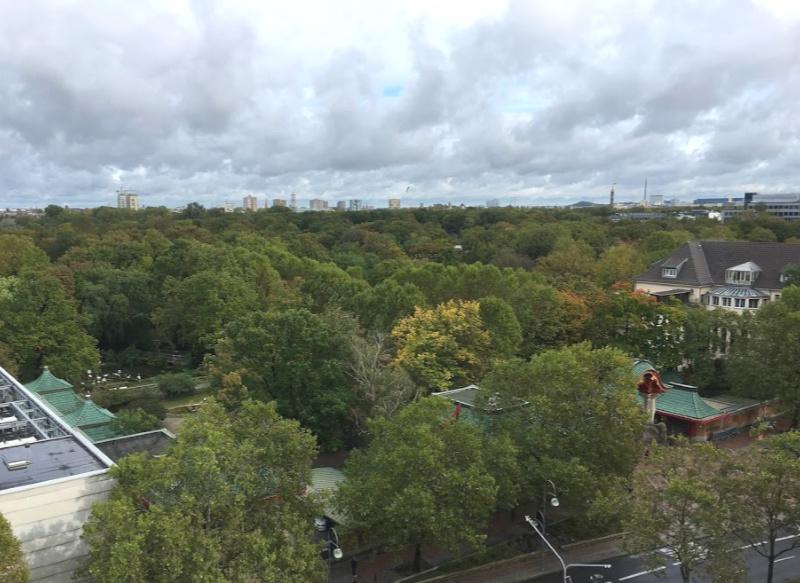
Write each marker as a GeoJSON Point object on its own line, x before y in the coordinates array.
{"type": "Point", "coordinates": [764, 490]}
{"type": "Point", "coordinates": [136, 421]}
{"type": "Point", "coordinates": [176, 384]}
{"type": "Point", "coordinates": [40, 325]}
{"type": "Point", "coordinates": [503, 327]}
{"type": "Point", "coordinates": [443, 346]}
{"type": "Point", "coordinates": [296, 358]}
{"type": "Point", "coordinates": [380, 307]}
{"type": "Point", "coordinates": [582, 425]}
{"type": "Point", "coordinates": [12, 564]}
{"type": "Point", "coordinates": [764, 359]}
{"type": "Point", "coordinates": [226, 503]}
{"type": "Point", "coordinates": [407, 488]}
{"type": "Point", "coordinates": [677, 505]}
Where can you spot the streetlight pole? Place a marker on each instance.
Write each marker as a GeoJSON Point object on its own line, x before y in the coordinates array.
{"type": "Point", "coordinates": [553, 500]}
{"type": "Point", "coordinates": [564, 565]}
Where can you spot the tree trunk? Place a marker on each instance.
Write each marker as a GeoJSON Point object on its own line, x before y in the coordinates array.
{"type": "Point", "coordinates": [771, 565]}
{"type": "Point", "coordinates": [417, 558]}
{"type": "Point", "coordinates": [686, 574]}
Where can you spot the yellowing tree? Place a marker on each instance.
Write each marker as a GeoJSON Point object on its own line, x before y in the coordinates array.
{"type": "Point", "coordinates": [444, 345]}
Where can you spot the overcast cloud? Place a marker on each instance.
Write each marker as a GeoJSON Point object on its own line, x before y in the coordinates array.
{"type": "Point", "coordinates": [535, 101]}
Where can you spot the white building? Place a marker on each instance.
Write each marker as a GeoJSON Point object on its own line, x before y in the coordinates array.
{"type": "Point", "coordinates": [317, 204]}
{"type": "Point", "coordinates": [394, 203]}
{"type": "Point", "coordinates": [250, 203]}
{"type": "Point", "coordinates": [127, 200]}
{"type": "Point", "coordinates": [50, 475]}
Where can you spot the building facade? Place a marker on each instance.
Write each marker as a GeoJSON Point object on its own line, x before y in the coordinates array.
{"type": "Point", "coordinates": [394, 203]}
{"type": "Point", "coordinates": [784, 206]}
{"type": "Point", "coordinates": [250, 203]}
{"type": "Point", "coordinates": [127, 200]}
{"type": "Point", "coordinates": [732, 275]}
{"type": "Point", "coordinates": [50, 475]}
{"type": "Point", "coordinates": [276, 202]}
{"type": "Point", "coordinates": [318, 204]}
{"type": "Point", "coordinates": [354, 204]}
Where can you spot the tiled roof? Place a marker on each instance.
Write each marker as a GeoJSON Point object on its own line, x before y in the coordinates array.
{"type": "Point", "coordinates": [683, 403]}
{"type": "Point", "coordinates": [642, 366]}
{"type": "Point", "coordinates": [47, 381]}
{"type": "Point", "coordinates": [708, 260]}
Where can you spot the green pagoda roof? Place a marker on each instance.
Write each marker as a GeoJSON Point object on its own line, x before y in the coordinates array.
{"type": "Point", "coordinates": [47, 382]}
{"type": "Point", "coordinates": [684, 403]}
{"type": "Point", "coordinates": [642, 366]}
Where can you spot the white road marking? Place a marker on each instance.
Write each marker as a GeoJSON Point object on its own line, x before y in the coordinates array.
{"type": "Point", "coordinates": [641, 573]}
{"type": "Point", "coordinates": [784, 558]}
{"type": "Point", "coordinates": [763, 542]}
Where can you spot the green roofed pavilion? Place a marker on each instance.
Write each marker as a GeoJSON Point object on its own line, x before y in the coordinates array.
{"type": "Point", "coordinates": [80, 413]}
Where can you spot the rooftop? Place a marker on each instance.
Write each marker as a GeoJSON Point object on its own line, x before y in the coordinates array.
{"type": "Point", "coordinates": [35, 444]}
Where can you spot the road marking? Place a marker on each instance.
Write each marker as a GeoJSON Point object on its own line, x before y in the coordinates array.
{"type": "Point", "coordinates": [763, 542]}
{"type": "Point", "coordinates": [641, 573]}
{"type": "Point", "coordinates": [784, 559]}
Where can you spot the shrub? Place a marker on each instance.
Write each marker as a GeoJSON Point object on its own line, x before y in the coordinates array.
{"type": "Point", "coordinates": [177, 384]}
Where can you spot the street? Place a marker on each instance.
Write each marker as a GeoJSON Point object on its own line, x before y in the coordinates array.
{"type": "Point", "coordinates": [630, 569]}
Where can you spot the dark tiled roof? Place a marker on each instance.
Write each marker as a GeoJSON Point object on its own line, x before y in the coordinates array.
{"type": "Point", "coordinates": [707, 261]}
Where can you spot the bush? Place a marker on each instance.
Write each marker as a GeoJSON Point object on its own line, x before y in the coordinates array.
{"type": "Point", "coordinates": [176, 385]}
{"type": "Point", "coordinates": [149, 406]}
{"type": "Point", "coordinates": [12, 565]}
{"type": "Point", "coordinates": [136, 421]}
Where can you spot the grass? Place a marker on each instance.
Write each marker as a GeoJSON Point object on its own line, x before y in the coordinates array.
{"type": "Point", "coordinates": [185, 399]}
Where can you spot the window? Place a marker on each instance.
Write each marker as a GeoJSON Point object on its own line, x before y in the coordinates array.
{"type": "Point", "coordinates": [740, 302]}
{"type": "Point", "coordinates": [715, 300]}
{"type": "Point", "coordinates": [753, 303]}
{"type": "Point", "coordinates": [669, 272]}
{"type": "Point", "coordinates": [726, 302]}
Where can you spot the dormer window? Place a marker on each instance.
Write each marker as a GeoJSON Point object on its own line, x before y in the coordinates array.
{"type": "Point", "coordinates": [669, 272]}
{"type": "Point", "coordinates": [671, 268]}
{"type": "Point", "coordinates": [744, 274]}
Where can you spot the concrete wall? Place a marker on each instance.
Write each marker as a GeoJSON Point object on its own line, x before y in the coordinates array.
{"type": "Point", "coordinates": [48, 520]}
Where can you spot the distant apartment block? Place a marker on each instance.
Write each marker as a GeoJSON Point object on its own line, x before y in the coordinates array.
{"type": "Point", "coordinates": [317, 204]}
{"type": "Point", "coordinates": [784, 206]}
{"type": "Point", "coordinates": [250, 203]}
{"type": "Point", "coordinates": [341, 206]}
{"type": "Point", "coordinates": [355, 204]}
{"type": "Point", "coordinates": [127, 200]}
{"type": "Point", "coordinates": [394, 203]}
{"type": "Point", "coordinates": [276, 202]}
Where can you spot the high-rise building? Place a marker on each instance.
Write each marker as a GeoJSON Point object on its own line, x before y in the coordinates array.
{"type": "Point", "coordinates": [317, 204]}
{"type": "Point", "coordinates": [341, 205]}
{"type": "Point", "coordinates": [354, 204]}
{"type": "Point", "coordinates": [493, 203]}
{"type": "Point", "coordinates": [127, 200]}
{"type": "Point", "coordinates": [394, 203]}
{"type": "Point", "coordinates": [278, 202]}
{"type": "Point", "coordinates": [250, 203]}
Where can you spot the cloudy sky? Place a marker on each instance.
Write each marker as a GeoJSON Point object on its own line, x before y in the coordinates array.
{"type": "Point", "coordinates": [531, 102]}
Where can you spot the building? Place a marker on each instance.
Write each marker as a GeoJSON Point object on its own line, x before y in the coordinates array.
{"type": "Point", "coordinates": [784, 206]}
{"type": "Point", "coordinates": [685, 412]}
{"type": "Point", "coordinates": [493, 203]}
{"type": "Point", "coordinates": [656, 200]}
{"type": "Point", "coordinates": [354, 204]}
{"type": "Point", "coordinates": [718, 201]}
{"type": "Point", "coordinates": [734, 275]}
{"type": "Point", "coordinates": [341, 206]}
{"type": "Point", "coordinates": [250, 203]}
{"type": "Point", "coordinates": [394, 203]}
{"type": "Point", "coordinates": [276, 202]}
{"type": "Point", "coordinates": [318, 204]}
{"type": "Point", "coordinates": [127, 200]}
{"type": "Point", "coordinates": [50, 475]}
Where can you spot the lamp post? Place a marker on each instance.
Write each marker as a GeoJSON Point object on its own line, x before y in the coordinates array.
{"type": "Point", "coordinates": [564, 565]}
{"type": "Point", "coordinates": [549, 495]}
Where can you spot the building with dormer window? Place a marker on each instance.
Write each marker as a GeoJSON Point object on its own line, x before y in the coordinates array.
{"type": "Point", "coordinates": [733, 275]}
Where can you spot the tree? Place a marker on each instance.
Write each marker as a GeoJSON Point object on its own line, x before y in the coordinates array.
{"type": "Point", "coordinates": [408, 487]}
{"type": "Point", "coordinates": [764, 490]}
{"type": "Point", "coordinates": [444, 345]}
{"type": "Point", "coordinates": [619, 263]}
{"type": "Point", "coordinates": [764, 359]}
{"type": "Point", "coordinates": [225, 503]}
{"type": "Point", "coordinates": [503, 327]}
{"type": "Point", "coordinates": [296, 358]}
{"type": "Point", "coordinates": [40, 325]}
{"type": "Point", "coordinates": [380, 307]}
{"type": "Point", "coordinates": [581, 427]}
{"type": "Point", "coordinates": [136, 421]}
{"type": "Point", "coordinates": [12, 564]}
{"type": "Point", "coordinates": [176, 384]}
{"type": "Point", "coordinates": [677, 505]}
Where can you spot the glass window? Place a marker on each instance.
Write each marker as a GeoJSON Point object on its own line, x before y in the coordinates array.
{"type": "Point", "coordinates": [669, 272]}
{"type": "Point", "coordinates": [715, 300]}
{"type": "Point", "coordinates": [753, 303]}
{"type": "Point", "coordinates": [740, 302]}
{"type": "Point", "coordinates": [726, 301]}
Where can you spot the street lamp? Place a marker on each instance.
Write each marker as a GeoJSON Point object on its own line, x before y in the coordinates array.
{"type": "Point", "coordinates": [549, 495]}
{"type": "Point", "coordinates": [564, 565]}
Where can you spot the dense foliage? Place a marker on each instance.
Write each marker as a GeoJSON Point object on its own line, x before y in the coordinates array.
{"type": "Point", "coordinates": [12, 565]}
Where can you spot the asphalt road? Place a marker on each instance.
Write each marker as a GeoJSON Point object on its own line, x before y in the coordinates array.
{"type": "Point", "coordinates": [629, 569]}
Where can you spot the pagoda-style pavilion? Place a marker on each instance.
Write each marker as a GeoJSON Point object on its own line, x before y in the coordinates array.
{"type": "Point", "coordinates": [95, 422]}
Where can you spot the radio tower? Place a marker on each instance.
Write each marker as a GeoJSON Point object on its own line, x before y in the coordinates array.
{"type": "Point", "coordinates": [611, 199]}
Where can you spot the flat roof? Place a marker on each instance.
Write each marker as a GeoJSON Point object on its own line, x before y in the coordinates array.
{"type": "Point", "coordinates": [46, 460]}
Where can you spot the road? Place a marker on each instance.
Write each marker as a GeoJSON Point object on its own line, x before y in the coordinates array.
{"type": "Point", "coordinates": [629, 569]}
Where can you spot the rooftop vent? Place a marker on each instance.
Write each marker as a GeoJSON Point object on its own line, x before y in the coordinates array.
{"type": "Point", "coordinates": [17, 465]}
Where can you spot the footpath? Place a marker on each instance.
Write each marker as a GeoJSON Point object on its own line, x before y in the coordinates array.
{"type": "Point", "coordinates": [514, 570]}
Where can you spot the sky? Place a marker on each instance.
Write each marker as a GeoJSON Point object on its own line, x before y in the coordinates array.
{"type": "Point", "coordinates": [528, 102]}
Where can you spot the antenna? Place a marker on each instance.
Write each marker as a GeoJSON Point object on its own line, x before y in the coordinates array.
{"type": "Point", "coordinates": [611, 199]}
